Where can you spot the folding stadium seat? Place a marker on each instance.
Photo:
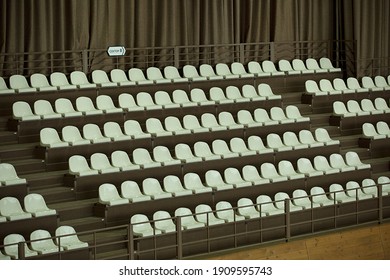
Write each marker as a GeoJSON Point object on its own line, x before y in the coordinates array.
{"type": "Point", "coordinates": [11, 209]}
{"type": "Point", "coordinates": [163, 221]}
{"type": "Point", "coordinates": [172, 73]}
{"type": "Point", "coordinates": [101, 162]}
{"type": "Point", "coordinates": [119, 76]}
{"type": "Point", "coordinates": [60, 81]}
{"type": "Point", "coordinates": [337, 161]}
{"type": "Point", "coordinates": [339, 84]}
{"type": "Point", "coordinates": [290, 139]}
{"type": "Point", "coordinates": [173, 125]}
{"type": "Point", "coordinates": [152, 187]}
{"type": "Point", "coordinates": [352, 159]}
{"type": "Point", "coordinates": [266, 205]}
{"type": "Point", "coordinates": [4, 88]}
{"type": "Point", "coordinates": [274, 141]}
{"type": "Point", "coordinates": [281, 197]}
{"type": "Point", "coordinates": [67, 238]}
{"type": "Point", "coordinates": [369, 187]}
{"type": "Point", "coordinates": [144, 99]}
{"type": "Point", "coordinates": [325, 63]}
{"type": "Point", "coordinates": [163, 99]}
{"type": "Point", "coordinates": [131, 191]}
{"type": "Point", "coordinates": [155, 128]}
{"type": "Point", "coordinates": [180, 97]}
{"type": "Point", "coordinates": [266, 91]}
{"type": "Point", "coordinates": [35, 204]}
{"type": "Point", "coordinates": [49, 138]}
{"type": "Point", "coordinates": [381, 104]}
{"type": "Point", "coordinates": [198, 95]}
{"type": "Point", "coordinates": [368, 106]}
{"type": "Point", "coordinates": [223, 70]}
{"type": "Point", "coordinates": [247, 209]}
{"type": "Point", "coordinates": [190, 72]}
{"type": "Point", "coordinates": [72, 135]}
{"type": "Point", "coordinates": [173, 185]}
{"type": "Point", "coordinates": [137, 75]}
{"type": "Point", "coordinates": [286, 169]}
{"type": "Point", "coordinates": [218, 96]}
{"type": "Point", "coordinates": [285, 66]}
{"type": "Point", "coordinates": [100, 78]}
{"type": "Point", "coordinates": [239, 69]}
{"type": "Point", "coordinates": [255, 143]}
{"type": "Point", "coordinates": [319, 196]}
{"type": "Point", "coordinates": [327, 86]}
{"type": "Point", "coordinates": [233, 93]}
{"type": "Point", "coordinates": [301, 198]}
{"type": "Point", "coordinates": [306, 137]}
{"type": "Point", "coordinates": [268, 171]}
{"type": "Point", "coordinates": [277, 114]}
{"type": "Point", "coordinates": [187, 219]}
{"type": "Point", "coordinates": [353, 83]}
{"type": "Point", "coordinates": [312, 64]}
{"type": "Point", "coordinates": [8, 175]}
{"type": "Point", "coordinates": [292, 112]}
{"type": "Point", "coordinates": [321, 163]}
{"type": "Point", "coordinates": [162, 155]}
{"type": "Point", "coordinates": [383, 128]}
{"type": "Point", "coordinates": [369, 84]}
{"type": "Point", "coordinates": [133, 128]}
{"type": "Point", "coordinates": [262, 116]}
{"type": "Point", "coordinates": [142, 157]}
{"type": "Point", "coordinates": [251, 174]}
{"type": "Point", "coordinates": [245, 118]}
{"type": "Point", "coordinates": [127, 102]}
{"type": "Point", "coordinates": [255, 68]}
{"type": "Point", "coordinates": [214, 180]}
{"type": "Point", "coordinates": [80, 80]}
{"type": "Point", "coordinates": [85, 105]}
{"type": "Point", "coordinates": [21, 110]}
{"type": "Point", "coordinates": [225, 211]}
{"type": "Point", "coordinates": [322, 136]}
{"type": "Point", "coordinates": [11, 247]}
{"type": "Point", "coordinates": [20, 84]}
{"type": "Point", "coordinates": [191, 122]}
{"type": "Point", "coordinates": [109, 195]}
{"type": "Point", "coordinates": [381, 82]}
{"type": "Point", "coordinates": [113, 131]}
{"type": "Point", "coordinates": [40, 82]}
{"type": "Point", "coordinates": [42, 242]}
{"type": "Point", "coordinates": [238, 145]}
{"type": "Point", "coordinates": [220, 147]}
{"type": "Point", "coordinates": [339, 109]}
{"type": "Point", "coordinates": [305, 166]}
{"type": "Point", "coordinates": [384, 182]}
{"type": "Point", "coordinates": [105, 103]}
{"type": "Point", "coordinates": [233, 176]}
{"type": "Point", "coordinates": [44, 109]}
{"type": "Point", "coordinates": [369, 131]}
{"type": "Point", "coordinates": [154, 74]}
{"type": "Point", "coordinates": [142, 227]}
{"type": "Point", "coordinates": [269, 67]}
{"type": "Point", "coordinates": [122, 160]}
{"type": "Point", "coordinates": [93, 133]}
{"type": "Point", "coordinates": [352, 188]}
{"type": "Point", "coordinates": [204, 214]}
{"type": "Point", "coordinates": [184, 153]}
{"type": "Point", "coordinates": [207, 71]}
{"type": "Point", "coordinates": [79, 166]}
{"type": "Point", "coordinates": [311, 87]}
{"type": "Point", "coordinates": [202, 150]}
{"type": "Point", "coordinates": [299, 65]}
{"type": "Point", "coordinates": [65, 107]}
{"type": "Point", "coordinates": [193, 182]}
{"type": "Point", "coordinates": [249, 91]}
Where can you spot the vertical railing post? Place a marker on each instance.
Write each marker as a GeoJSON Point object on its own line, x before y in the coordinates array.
{"type": "Point", "coordinates": [130, 241]}
{"type": "Point", "coordinates": [21, 252]}
{"type": "Point", "coordinates": [179, 240]}
{"type": "Point", "coordinates": [84, 55]}
{"type": "Point", "coordinates": [288, 218]}
{"type": "Point", "coordinates": [176, 54]}
{"type": "Point", "coordinates": [272, 51]}
{"type": "Point", "coordinates": [242, 53]}
{"type": "Point", "coordinates": [380, 203]}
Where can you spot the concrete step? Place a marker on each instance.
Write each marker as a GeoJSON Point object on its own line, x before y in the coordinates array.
{"type": "Point", "coordinates": [19, 151]}
{"type": "Point", "coordinates": [41, 180]}
{"type": "Point", "coordinates": [75, 209]}
{"type": "Point", "coordinates": [55, 193]}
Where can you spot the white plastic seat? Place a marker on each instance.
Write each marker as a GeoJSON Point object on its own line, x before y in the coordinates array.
{"type": "Point", "coordinates": [274, 141]}
{"type": "Point", "coordinates": [238, 145]}
{"type": "Point", "coordinates": [134, 129]}
{"type": "Point", "coordinates": [113, 131]}
{"type": "Point", "coordinates": [20, 84]}
{"type": "Point", "coordinates": [368, 83]}
{"type": "Point", "coordinates": [233, 176]}
{"type": "Point", "coordinates": [100, 78]}
{"type": "Point", "coordinates": [11, 247]}
{"type": "Point", "coordinates": [245, 118]}
{"type": "Point", "coordinates": [266, 91]}
{"type": "Point", "coordinates": [85, 105]}
{"type": "Point", "coordinates": [266, 205]}
{"type": "Point", "coordinates": [142, 157]}
{"type": "Point", "coordinates": [65, 107]}
{"type": "Point", "coordinates": [306, 137]}
{"type": "Point", "coordinates": [154, 74]}
{"type": "Point", "coordinates": [325, 63]}
{"type": "Point", "coordinates": [40, 82]}
{"type": "Point", "coordinates": [220, 147]}
{"type": "Point", "coordinates": [163, 221]}
{"type": "Point", "coordinates": [136, 75]}
{"type": "Point", "coordinates": [162, 98]}
{"type": "Point", "coordinates": [368, 106]}
{"type": "Point", "coordinates": [312, 64]}
{"type": "Point", "coordinates": [352, 188]}
{"type": "Point", "coordinates": [218, 96]}
{"type": "Point", "coordinates": [42, 242]}
{"type": "Point", "coordinates": [383, 128]}
{"type": "Point", "coordinates": [321, 163]}
{"type": "Point", "coordinates": [286, 67]}
{"type": "Point", "coordinates": [67, 238]}
{"type": "Point", "coordinates": [214, 180]}
{"type": "Point", "coordinates": [327, 86]}
{"type": "Point", "coordinates": [381, 104]}
{"type": "Point", "coordinates": [172, 73]}
{"type": "Point", "coordinates": [190, 72]}
{"type": "Point", "coordinates": [101, 162]}
{"type": "Point", "coordinates": [199, 96]}
{"type": "Point", "coordinates": [337, 161]}
{"type": "Point", "coordinates": [121, 160]}
{"type": "Point", "coordinates": [207, 71]}
{"type": "Point", "coordinates": [162, 155]}
{"type": "Point", "coordinates": [278, 114]}
{"type": "Point", "coordinates": [319, 196]}
{"type": "Point", "coordinates": [352, 159]}
{"type": "Point", "coordinates": [35, 204]}
{"type": "Point", "coordinates": [109, 195]}
{"type": "Point", "coordinates": [369, 131]}
{"type": "Point", "coordinates": [142, 227]}
{"type": "Point", "coordinates": [247, 209]}
{"type": "Point", "coordinates": [79, 166]}
{"type": "Point", "coordinates": [369, 187]}
{"type": "Point", "coordinates": [306, 167]}
{"type": "Point", "coordinates": [49, 138]}
{"type": "Point", "coordinates": [279, 200]}
{"type": "Point", "coordinates": [203, 150]}
{"type": "Point", "coordinates": [173, 185]}
{"type": "Point", "coordinates": [262, 116]}
{"type": "Point", "coordinates": [180, 97]}
{"type": "Point", "coordinates": [286, 168]}
{"type": "Point", "coordinates": [384, 181]}
{"type": "Point", "coordinates": [353, 83]}
{"type": "Point", "coordinates": [255, 68]}
{"type": "Point", "coordinates": [251, 174]}
{"type": "Point", "coordinates": [8, 175]}
{"type": "Point", "coordinates": [127, 102]}
{"type": "Point", "coordinates": [354, 107]}
{"type": "Point", "coordinates": [45, 110]}
{"type": "Point", "coordinates": [293, 113]}
{"type": "Point", "coordinates": [239, 69]}
{"type": "Point", "coordinates": [59, 80]}
{"type": "Point", "coordinates": [290, 139]}
{"type": "Point", "coordinates": [187, 218]}
{"type": "Point", "coordinates": [381, 82]}
{"type": "Point", "coordinates": [155, 128]}
{"type": "Point", "coordinates": [249, 91]}
{"type": "Point", "coordinates": [269, 67]}
{"type": "Point", "coordinates": [225, 211]}
{"type": "Point", "coordinates": [233, 93]}
{"type": "Point", "coordinates": [312, 88]}
{"type": "Point", "coordinates": [131, 191]}
{"type": "Point", "coordinates": [222, 69]}
{"type": "Point", "coordinates": [11, 209]}
{"type": "Point", "coordinates": [152, 187]}
{"type": "Point", "coordinates": [322, 136]}
{"type": "Point", "coordinates": [4, 89]}
{"type": "Point", "coordinates": [144, 99]}
{"type": "Point", "coordinates": [192, 123]}
{"type": "Point", "coordinates": [79, 79]}
{"type": "Point", "coordinates": [255, 143]}
{"type": "Point", "coordinates": [185, 154]}
{"type": "Point", "coordinates": [340, 109]}
{"type": "Point", "coordinates": [299, 65]}
{"type": "Point", "coordinates": [339, 84]}
{"type": "Point", "coordinates": [193, 182]}
{"type": "Point", "coordinates": [173, 125]}
{"type": "Point", "coordinates": [105, 103]}
{"type": "Point", "coordinates": [301, 198]}
{"type": "Point", "coordinates": [93, 133]}
{"type": "Point", "coordinates": [268, 171]}
{"type": "Point", "coordinates": [119, 76]}
{"type": "Point", "coordinates": [72, 135]}
{"type": "Point", "coordinates": [204, 214]}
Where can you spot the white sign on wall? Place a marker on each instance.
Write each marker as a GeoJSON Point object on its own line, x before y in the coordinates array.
{"type": "Point", "coordinates": [116, 51]}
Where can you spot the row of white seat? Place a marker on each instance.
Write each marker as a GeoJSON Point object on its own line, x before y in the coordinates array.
{"type": "Point", "coordinates": [103, 104]}
{"type": "Point", "coordinates": [224, 212]}
{"type": "Point", "coordinates": [365, 107]}
{"type": "Point", "coordinates": [8, 175]}
{"type": "Point", "coordinates": [41, 242]}
{"type": "Point", "coordinates": [352, 85]}
{"type": "Point", "coordinates": [136, 76]}
{"type": "Point", "coordinates": [380, 130]}
{"type": "Point", "coordinates": [34, 206]}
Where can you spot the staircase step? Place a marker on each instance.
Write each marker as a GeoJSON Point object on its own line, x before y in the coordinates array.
{"type": "Point", "coordinates": [56, 194]}
{"type": "Point", "coordinates": [75, 209]}
{"type": "Point", "coordinates": [8, 137]}
{"type": "Point", "coordinates": [84, 224]}
{"type": "Point", "coordinates": [28, 166]}
{"type": "Point", "coordinates": [43, 179]}
{"type": "Point", "coordinates": [15, 151]}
